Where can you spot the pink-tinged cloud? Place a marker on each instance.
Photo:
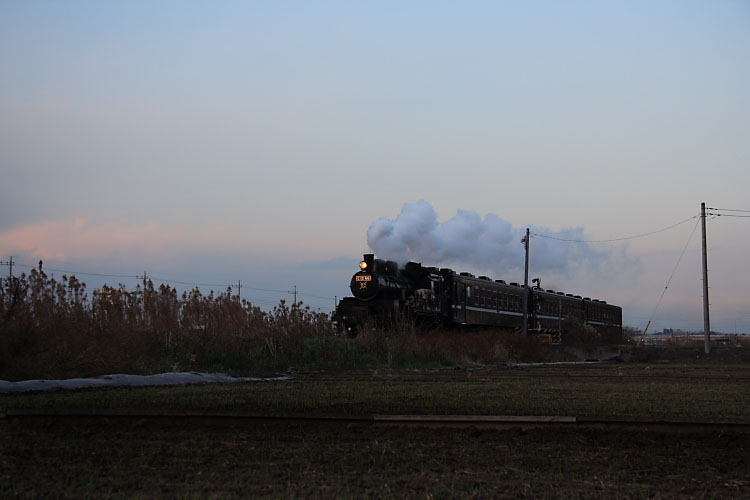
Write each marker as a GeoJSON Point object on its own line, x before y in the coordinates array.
{"type": "Point", "coordinates": [82, 238]}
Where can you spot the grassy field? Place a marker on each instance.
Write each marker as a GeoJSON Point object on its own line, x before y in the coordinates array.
{"type": "Point", "coordinates": [686, 392]}
{"type": "Point", "coordinates": [137, 458]}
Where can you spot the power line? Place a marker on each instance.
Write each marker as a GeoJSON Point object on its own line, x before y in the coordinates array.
{"type": "Point", "coordinates": [315, 296]}
{"type": "Point", "coordinates": [80, 273]}
{"type": "Point", "coordinates": [166, 280]}
{"type": "Point", "coordinates": [727, 209]}
{"type": "Point", "coordinates": [617, 239]}
{"type": "Point", "coordinates": [169, 281]}
{"type": "Point", "coordinates": [728, 215]}
{"type": "Point", "coordinates": [658, 303]}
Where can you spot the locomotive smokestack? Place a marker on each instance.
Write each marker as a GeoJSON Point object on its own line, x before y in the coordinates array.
{"type": "Point", "coordinates": [369, 258]}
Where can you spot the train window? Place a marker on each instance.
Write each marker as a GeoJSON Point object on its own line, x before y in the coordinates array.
{"type": "Point", "coordinates": [468, 291]}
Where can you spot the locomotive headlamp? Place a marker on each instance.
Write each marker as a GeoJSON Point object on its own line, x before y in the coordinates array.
{"type": "Point", "coordinates": [363, 265]}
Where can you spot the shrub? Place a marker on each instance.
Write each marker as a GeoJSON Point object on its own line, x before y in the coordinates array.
{"type": "Point", "coordinates": [51, 329]}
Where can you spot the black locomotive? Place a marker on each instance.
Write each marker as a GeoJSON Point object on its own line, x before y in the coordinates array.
{"type": "Point", "coordinates": [386, 294]}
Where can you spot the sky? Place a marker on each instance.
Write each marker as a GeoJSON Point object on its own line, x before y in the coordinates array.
{"type": "Point", "coordinates": [271, 144]}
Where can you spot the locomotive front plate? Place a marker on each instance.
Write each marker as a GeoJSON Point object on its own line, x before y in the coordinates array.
{"type": "Point", "coordinates": [363, 285]}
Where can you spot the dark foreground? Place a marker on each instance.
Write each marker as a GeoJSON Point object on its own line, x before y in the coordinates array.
{"type": "Point", "coordinates": [324, 460]}
{"type": "Point", "coordinates": [171, 457]}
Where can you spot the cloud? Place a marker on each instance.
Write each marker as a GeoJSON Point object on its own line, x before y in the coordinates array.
{"type": "Point", "coordinates": [469, 241]}
{"type": "Point", "coordinates": [82, 238]}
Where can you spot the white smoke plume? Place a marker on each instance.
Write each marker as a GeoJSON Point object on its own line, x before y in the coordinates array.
{"type": "Point", "coordinates": [468, 242]}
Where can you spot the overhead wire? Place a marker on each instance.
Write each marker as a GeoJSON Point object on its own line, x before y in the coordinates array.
{"type": "Point", "coordinates": [727, 209]}
{"type": "Point", "coordinates": [692, 233]}
{"type": "Point", "coordinates": [728, 215]}
{"type": "Point", "coordinates": [617, 239]}
{"type": "Point", "coordinates": [315, 296]}
{"type": "Point", "coordinates": [20, 264]}
{"type": "Point", "coordinates": [168, 280]}
{"type": "Point", "coordinates": [658, 303]}
{"type": "Point", "coordinates": [739, 211]}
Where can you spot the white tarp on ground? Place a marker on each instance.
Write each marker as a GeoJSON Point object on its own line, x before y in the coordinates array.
{"type": "Point", "coordinates": [120, 380]}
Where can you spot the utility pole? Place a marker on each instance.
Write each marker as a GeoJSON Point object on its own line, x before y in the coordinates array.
{"type": "Point", "coordinates": [145, 277]}
{"type": "Point", "coordinates": [239, 290]}
{"type": "Point", "coordinates": [295, 294]}
{"type": "Point", "coordinates": [706, 321]}
{"type": "Point", "coordinates": [525, 242]}
{"type": "Point", "coordinates": [9, 263]}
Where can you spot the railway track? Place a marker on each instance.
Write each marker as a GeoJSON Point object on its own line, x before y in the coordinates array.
{"type": "Point", "coordinates": [141, 417]}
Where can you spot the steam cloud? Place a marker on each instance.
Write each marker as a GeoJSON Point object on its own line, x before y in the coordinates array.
{"type": "Point", "coordinates": [468, 242]}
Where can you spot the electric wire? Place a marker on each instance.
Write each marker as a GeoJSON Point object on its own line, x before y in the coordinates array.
{"type": "Point", "coordinates": [617, 239]}
{"type": "Point", "coordinates": [315, 296]}
{"type": "Point", "coordinates": [77, 273]}
{"type": "Point", "coordinates": [168, 281]}
{"type": "Point", "coordinates": [727, 209]}
{"type": "Point", "coordinates": [658, 303]}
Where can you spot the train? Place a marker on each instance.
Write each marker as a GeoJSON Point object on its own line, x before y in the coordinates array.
{"type": "Point", "coordinates": [386, 295]}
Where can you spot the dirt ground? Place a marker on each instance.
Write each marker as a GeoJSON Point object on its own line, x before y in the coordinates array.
{"type": "Point", "coordinates": [324, 460]}
{"type": "Point", "coordinates": [169, 458]}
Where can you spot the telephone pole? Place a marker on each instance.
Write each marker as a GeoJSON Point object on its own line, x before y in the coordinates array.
{"type": "Point", "coordinates": [525, 242]}
{"type": "Point", "coordinates": [706, 321]}
{"type": "Point", "coordinates": [145, 277]}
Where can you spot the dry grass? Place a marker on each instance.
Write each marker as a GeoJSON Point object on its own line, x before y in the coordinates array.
{"type": "Point", "coordinates": [477, 347]}
{"type": "Point", "coordinates": [53, 329]}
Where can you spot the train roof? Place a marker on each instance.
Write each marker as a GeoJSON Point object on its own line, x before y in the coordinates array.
{"type": "Point", "coordinates": [488, 280]}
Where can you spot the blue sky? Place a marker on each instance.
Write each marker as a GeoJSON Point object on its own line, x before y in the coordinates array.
{"type": "Point", "coordinates": [212, 142]}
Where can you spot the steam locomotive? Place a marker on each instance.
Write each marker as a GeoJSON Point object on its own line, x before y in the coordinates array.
{"type": "Point", "coordinates": [386, 294]}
